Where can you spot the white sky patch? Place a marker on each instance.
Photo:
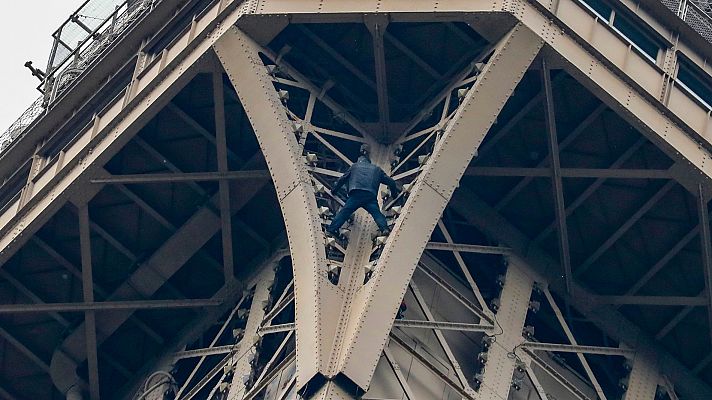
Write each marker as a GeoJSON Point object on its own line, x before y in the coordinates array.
{"type": "Point", "coordinates": [26, 35]}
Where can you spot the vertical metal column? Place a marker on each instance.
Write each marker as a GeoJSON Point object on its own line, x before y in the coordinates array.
{"type": "Point", "coordinates": [501, 357]}
{"type": "Point", "coordinates": [644, 377]}
{"type": "Point", "coordinates": [241, 360]}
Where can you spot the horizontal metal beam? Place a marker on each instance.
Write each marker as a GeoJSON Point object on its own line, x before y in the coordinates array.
{"type": "Point", "coordinates": [266, 330]}
{"type": "Point", "coordinates": [569, 348]}
{"type": "Point", "coordinates": [571, 172]}
{"type": "Point", "coordinates": [444, 326]}
{"type": "Point", "coordinates": [652, 300]}
{"type": "Point", "coordinates": [182, 177]}
{"type": "Point", "coordinates": [107, 306]}
{"type": "Point", "coordinates": [209, 351]}
{"type": "Point", "coordinates": [468, 248]}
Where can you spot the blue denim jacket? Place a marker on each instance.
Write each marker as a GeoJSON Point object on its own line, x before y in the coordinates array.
{"type": "Point", "coordinates": [365, 176]}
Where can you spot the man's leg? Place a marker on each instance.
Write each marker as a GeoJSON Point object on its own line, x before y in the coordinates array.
{"type": "Point", "coordinates": [375, 211]}
{"type": "Point", "coordinates": [352, 204]}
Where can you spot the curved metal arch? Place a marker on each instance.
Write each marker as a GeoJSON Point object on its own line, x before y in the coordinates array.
{"type": "Point", "coordinates": [315, 296]}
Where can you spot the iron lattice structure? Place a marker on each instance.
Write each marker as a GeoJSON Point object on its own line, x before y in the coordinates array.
{"type": "Point", "coordinates": [162, 222]}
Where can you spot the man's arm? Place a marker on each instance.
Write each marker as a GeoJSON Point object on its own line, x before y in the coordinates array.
{"type": "Point", "coordinates": [340, 182]}
{"type": "Point", "coordinates": [392, 185]}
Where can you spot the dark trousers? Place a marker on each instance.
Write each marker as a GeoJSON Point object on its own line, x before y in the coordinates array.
{"type": "Point", "coordinates": [359, 199]}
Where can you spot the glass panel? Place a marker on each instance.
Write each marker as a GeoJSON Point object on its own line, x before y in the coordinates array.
{"type": "Point", "coordinates": [695, 81]}
{"type": "Point", "coordinates": [601, 8]}
{"type": "Point", "coordinates": [637, 37]}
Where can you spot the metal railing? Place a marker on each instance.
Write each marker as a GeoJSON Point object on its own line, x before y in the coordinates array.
{"type": "Point", "coordinates": [93, 27]}
{"type": "Point", "coordinates": [695, 13]}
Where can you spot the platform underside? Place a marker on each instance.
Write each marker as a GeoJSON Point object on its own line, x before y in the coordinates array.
{"type": "Point", "coordinates": [188, 228]}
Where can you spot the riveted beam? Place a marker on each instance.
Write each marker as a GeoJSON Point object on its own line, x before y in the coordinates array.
{"type": "Point", "coordinates": [369, 324]}
{"type": "Point", "coordinates": [574, 348]}
{"type": "Point", "coordinates": [181, 177]}
{"type": "Point", "coordinates": [241, 365]}
{"type": "Point", "coordinates": [106, 306]}
{"type": "Point", "coordinates": [314, 294]}
{"type": "Point", "coordinates": [514, 300]}
{"type": "Point", "coordinates": [571, 173]}
{"type": "Point", "coordinates": [442, 325]}
{"type": "Point", "coordinates": [467, 248]}
{"type": "Point", "coordinates": [644, 376]}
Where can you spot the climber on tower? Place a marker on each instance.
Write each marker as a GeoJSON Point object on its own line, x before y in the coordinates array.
{"type": "Point", "coordinates": [363, 180]}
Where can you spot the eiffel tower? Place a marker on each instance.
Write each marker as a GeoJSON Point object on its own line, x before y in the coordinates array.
{"type": "Point", "coordinates": [165, 200]}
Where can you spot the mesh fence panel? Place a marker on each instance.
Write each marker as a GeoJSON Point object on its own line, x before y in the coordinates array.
{"type": "Point", "coordinates": [673, 5]}
{"type": "Point", "coordinates": [700, 22]}
{"type": "Point", "coordinates": [17, 128]}
{"type": "Point", "coordinates": [91, 16]}
{"type": "Point", "coordinates": [94, 14]}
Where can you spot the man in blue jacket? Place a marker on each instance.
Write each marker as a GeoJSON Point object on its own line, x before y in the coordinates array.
{"type": "Point", "coordinates": [363, 180]}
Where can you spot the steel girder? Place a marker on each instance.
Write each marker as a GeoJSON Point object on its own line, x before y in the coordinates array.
{"type": "Point", "coordinates": [502, 356]}
{"type": "Point", "coordinates": [315, 297]}
{"type": "Point", "coordinates": [240, 363]}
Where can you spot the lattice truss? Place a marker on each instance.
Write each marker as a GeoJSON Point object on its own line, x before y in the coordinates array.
{"type": "Point", "coordinates": [548, 243]}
